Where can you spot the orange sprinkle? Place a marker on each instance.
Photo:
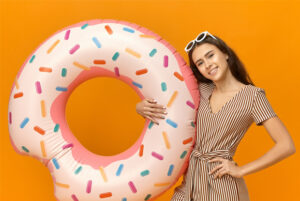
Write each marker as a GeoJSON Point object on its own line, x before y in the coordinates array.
{"type": "Point", "coordinates": [176, 74]}
{"type": "Point", "coordinates": [167, 143]}
{"type": "Point", "coordinates": [187, 140]}
{"type": "Point", "coordinates": [108, 29]}
{"type": "Point", "coordinates": [43, 108]}
{"type": "Point", "coordinates": [45, 69]}
{"type": "Point", "coordinates": [81, 66]}
{"type": "Point", "coordinates": [18, 95]}
{"type": "Point", "coordinates": [142, 71]}
{"type": "Point", "coordinates": [62, 185]}
{"type": "Point", "coordinates": [52, 46]}
{"type": "Point", "coordinates": [162, 184]}
{"type": "Point", "coordinates": [17, 84]}
{"type": "Point", "coordinates": [133, 53]}
{"type": "Point", "coordinates": [103, 174]}
{"type": "Point", "coordinates": [172, 98]}
{"type": "Point", "coordinates": [99, 62]}
{"type": "Point", "coordinates": [146, 36]}
{"type": "Point", "coordinates": [43, 149]}
{"type": "Point", "coordinates": [105, 195]}
{"type": "Point", "coordinates": [39, 130]}
{"type": "Point", "coordinates": [141, 150]}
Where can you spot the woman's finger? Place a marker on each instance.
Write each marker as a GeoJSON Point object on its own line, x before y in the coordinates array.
{"type": "Point", "coordinates": [216, 168]}
{"type": "Point", "coordinates": [216, 159]}
{"type": "Point", "coordinates": [152, 119]}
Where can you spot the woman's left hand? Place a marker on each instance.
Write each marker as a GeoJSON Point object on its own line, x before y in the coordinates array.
{"type": "Point", "coordinates": [226, 167]}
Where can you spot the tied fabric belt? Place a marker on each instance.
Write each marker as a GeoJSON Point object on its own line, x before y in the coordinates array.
{"type": "Point", "coordinates": [197, 178]}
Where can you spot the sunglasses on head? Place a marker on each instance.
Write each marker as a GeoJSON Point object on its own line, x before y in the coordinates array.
{"type": "Point", "coordinates": [198, 39]}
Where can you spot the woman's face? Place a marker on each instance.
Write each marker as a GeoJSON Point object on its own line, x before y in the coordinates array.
{"type": "Point", "coordinates": [210, 61]}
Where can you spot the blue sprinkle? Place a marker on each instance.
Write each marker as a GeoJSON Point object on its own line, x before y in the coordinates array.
{"type": "Point", "coordinates": [171, 123]}
{"type": "Point", "coordinates": [95, 40]}
{"type": "Point", "coordinates": [56, 127]}
{"type": "Point", "coordinates": [124, 199]}
{"type": "Point", "coordinates": [183, 154]}
{"type": "Point", "coordinates": [145, 173]}
{"type": "Point", "coordinates": [152, 53]}
{"type": "Point", "coordinates": [150, 124]}
{"type": "Point", "coordinates": [55, 163]}
{"type": "Point", "coordinates": [129, 30]}
{"type": "Point", "coordinates": [78, 170]}
{"type": "Point", "coordinates": [115, 57]}
{"type": "Point", "coordinates": [137, 85]}
{"type": "Point", "coordinates": [63, 72]}
{"type": "Point", "coordinates": [163, 86]}
{"type": "Point", "coordinates": [147, 197]}
{"type": "Point", "coordinates": [120, 170]}
{"type": "Point", "coordinates": [25, 149]}
{"type": "Point", "coordinates": [85, 25]}
{"type": "Point", "coordinates": [61, 89]}
{"type": "Point", "coordinates": [170, 170]}
{"type": "Point", "coordinates": [24, 122]}
{"type": "Point", "coordinates": [32, 58]}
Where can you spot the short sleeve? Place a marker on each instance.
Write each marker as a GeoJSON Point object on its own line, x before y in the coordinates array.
{"type": "Point", "coordinates": [262, 109]}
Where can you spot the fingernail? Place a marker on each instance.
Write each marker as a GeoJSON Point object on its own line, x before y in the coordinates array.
{"type": "Point", "coordinates": [164, 107]}
{"type": "Point", "coordinates": [165, 113]}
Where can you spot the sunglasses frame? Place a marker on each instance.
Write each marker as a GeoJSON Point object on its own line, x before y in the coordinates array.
{"type": "Point", "coordinates": [206, 33]}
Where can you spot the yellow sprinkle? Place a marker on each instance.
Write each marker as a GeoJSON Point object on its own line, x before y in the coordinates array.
{"type": "Point", "coordinates": [103, 174]}
{"type": "Point", "coordinates": [130, 51]}
{"type": "Point", "coordinates": [52, 46]}
{"type": "Point", "coordinates": [162, 184]}
{"type": "Point", "coordinates": [43, 108]}
{"type": "Point", "coordinates": [17, 84]}
{"type": "Point", "coordinates": [62, 185]}
{"type": "Point", "coordinates": [172, 99]}
{"type": "Point", "coordinates": [146, 36]}
{"type": "Point", "coordinates": [43, 149]}
{"type": "Point", "coordinates": [166, 140]}
{"type": "Point", "coordinates": [81, 66]}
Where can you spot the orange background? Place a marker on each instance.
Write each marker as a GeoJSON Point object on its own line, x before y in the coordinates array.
{"type": "Point", "coordinates": [101, 111]}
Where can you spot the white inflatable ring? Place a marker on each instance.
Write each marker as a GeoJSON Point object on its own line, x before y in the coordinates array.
{"type": "Point", "coordinates": [120, 50]}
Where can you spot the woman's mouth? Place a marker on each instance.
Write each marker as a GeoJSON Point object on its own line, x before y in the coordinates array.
{"type": "Point", "coordinates": [213, 71]}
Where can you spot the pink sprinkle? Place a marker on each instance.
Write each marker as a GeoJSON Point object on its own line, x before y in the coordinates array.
{"type": "Point", "coordinates": [117, 71]}
{"type": "Point", "coordinates": [67, 146]}
{"type": "Point", "coordinates": [67, 34]}
{"type": "Point", "coordinates": [189, 103]}
{"type": "Point", "coordinates": [132, 187]}
{"type": "Point", "coordinates": [166, 61]}
{"type": "Point", "coordinates": [38, 87]}
{"type": "Point", "coordinates": [9, 116]}
{"type": "Point", "coordinates": [74, 49]}
{"type": "Point", "coordinates": [74, 197]}
{"type": "Point", "coordinates": [89, 186]}
{"type": "Point", "coordinates": [158, 156]}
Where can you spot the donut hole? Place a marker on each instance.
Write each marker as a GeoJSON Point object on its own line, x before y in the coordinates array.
{"type": "Point", "coordinates": [101, 114]}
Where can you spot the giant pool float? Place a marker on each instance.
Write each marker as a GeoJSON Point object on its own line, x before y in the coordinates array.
{"type": "Point", "coordinates": [120, 50]}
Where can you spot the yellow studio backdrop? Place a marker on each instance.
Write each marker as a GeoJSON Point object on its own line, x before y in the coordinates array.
{"type": "Point", "coordinates": [264, 34]}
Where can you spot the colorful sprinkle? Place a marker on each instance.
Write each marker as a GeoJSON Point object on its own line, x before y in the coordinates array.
{"type": "Point", "coordinates": [80, 66]}
{"type": "Point", "coordinates": [189, 103]}
{"type": "Point", "coordinates": [171, 123]}
{"type": "Point", "coordinates": [117, 71]}
{"type": "Point", "coordinates": [183, 154]}
{"type": "Point", "coordinates": [141, 150]}
{"type": "Point", "coordinates": [147, 197]}
{"type": "Point", "coordinates": [163, 86]}
{"type": "Point", "coordinates": [103, 174]}
{"type": "Point", "coordinates": [142, 71]}
{"type": "Point", "coordinates": [45, 69]}
{"type": "Point", "coordinates": [174, 95]}
{"type": "Point", "coordinates": [99, 62]}
{"type": "Point", "coordinates": [74, 49]}
{"type": "Point", "coordinates": [61, 89]}
{"type": "Point", "coordinates": [153, 52]}
{"type": "Point", "coordinates": [132, 52]}
{"type": "Point", "coordinates": [39, 130]}
{"type": "Point", "coordinates": [24, 122]}
{"type": "Point", "coordinates": [43, 149]}
{"type": "Point", "coordinates": [67, 34]}
{"type": "Point", "coordinates": [78, 170]}
{"type": "Point", "coordinates": [120, 170]}
{"type": "Point", "coordinates": [18, 95]}
{"type": "Point", "coordinates": [96, 41]}
{"type": "Point", "coordinates": [145, 173]}
{"type": "Point", "coordinates": [167, 143]}
{"type": "Point", "coordinates": [89, 186]}
{"type": "Point", "coordinates": [171, 167]}
{"type": "Point", "coordinates": [132, 187]}
{"type": "Point", "coordinates": [55, 163]}
{"type": "Point", "coordinates": [156, 155]}
{"type": "Point", "coordinates": [43, 108]}
{"type": "Point", "coordinates": [146, 36]}
{"type": "Point", "coordinates": [105, 195]}
{"type": "Point", "coordinates": [17, 84]}
{"type": "Point", "coordinates": [56, 127]}
{"type": "Point", "coordinates": [9, 117]}
{"type": "Point", "coordinates": [32, 58]}
{"type": "Point", "coordinates": [150, 124]}
{"type": "Point", "coordinates": [193, 124]}
{"type": "Point", "coordinates": [115, 56]}
{"type": "Point", "coordinates": [84, 26]}
{"type": "Point", "coordinates": [186, 141]}
{"type": "Point", "coordinates": [108, 29]}
{"type": "Point", "coordinates": [38, 87]}
{"type": "Point", "coordinates": [67, 146]}
{"type": "Point", "coordinates": [124, 199]}
{"type": "Point", "coordinates": [74, 197]}
{"type": "Point", "coordinates": [166, 61]}
{"type": "Point", "coordinates": [177, 75]}
{"type": "Point", "coordinates": [25, 149]}
{"type": "Point", "coordinates": [137, 84]}
{"type": "Point", "coordinates": [53, 46]}
{"type": "Point", "coordinates": [62, 185]}
{"type": "Point", "coordinates": [128, 30]}
{"type": "Point", "coordinates": [63, 72]}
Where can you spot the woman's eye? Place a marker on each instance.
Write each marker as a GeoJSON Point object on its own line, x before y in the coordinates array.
{"type": "Point", "coordinates": [211, 55]}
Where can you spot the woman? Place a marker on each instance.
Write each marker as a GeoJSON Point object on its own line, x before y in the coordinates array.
{"type": "Point", "coordinates": [228, 106]}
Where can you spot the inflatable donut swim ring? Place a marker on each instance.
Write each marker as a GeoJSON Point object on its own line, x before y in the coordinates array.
{"type": "Point", "coordinates": [120, 50]}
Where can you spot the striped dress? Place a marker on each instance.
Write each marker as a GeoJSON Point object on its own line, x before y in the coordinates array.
{"type": "Point", "coordinates": [218, 135]}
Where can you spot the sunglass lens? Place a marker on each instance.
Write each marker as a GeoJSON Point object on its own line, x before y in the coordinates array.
{"type": "Point", "coordinates": [200, 37]}
{"type": "Point", "coordinates": [190, 45]}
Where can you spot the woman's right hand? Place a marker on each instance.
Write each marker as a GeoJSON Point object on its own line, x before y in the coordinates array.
{"type": "Point", "coordinates": [148, 108]}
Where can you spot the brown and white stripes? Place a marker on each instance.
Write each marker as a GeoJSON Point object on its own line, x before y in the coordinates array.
{"type": "Point", "coordinates": [218, 135]}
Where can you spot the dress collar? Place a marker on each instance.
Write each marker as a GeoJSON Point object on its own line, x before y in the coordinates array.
{"type": "Point", "coordinates": [206, 89]}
